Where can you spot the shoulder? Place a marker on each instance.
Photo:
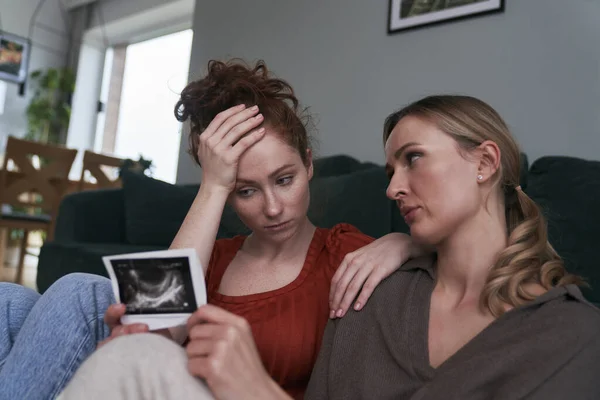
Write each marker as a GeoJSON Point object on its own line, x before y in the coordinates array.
{"type": "Point", "coordinates": [336, 242]}
{"type": "Point", "coordinates": [345, 237]}
{"type": "Point", "coordinates": [575, 301]}
{"type": "Point", "coordinates": [223, 251]}
{"type": "Point", "coordinates": [569, 312]}
{"type": "Point", "coordinates": [226, 247]}
{"type": "Point", "coordinates": [408, 285]}
{"type": "Point", "coordinates": [413, 268]}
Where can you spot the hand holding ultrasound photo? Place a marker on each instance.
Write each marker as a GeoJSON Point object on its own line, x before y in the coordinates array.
{"type": "Point", "coordinates": [159, 288]}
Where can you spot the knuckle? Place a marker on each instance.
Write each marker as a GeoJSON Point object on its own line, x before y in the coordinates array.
{"type": "Point", "coordinates": [354, 262]}
{"type": "Point", "coordinates": [215, 365]}
{"type": "Point", "coordinates": [230, 333]}
{"type": "Point", "coordinates": [194, 332]}
{"type": "Point", "coordinates": [247, 140]}
{"type": "Point", "coordinates": [221, 347]}
{"type": "Point", "coordinates": [237, 130]}
{"type": "Point", "coordinates": [244, 325]}
{"type": "Point", "coordinates": [221, 116]}
{"type": "Point", "coordinates": [353, 287]}
{"type": "Point", "coordinates": [211, 142]}
{"type": "Point", "coordinates": [229, 159]}
{"type": "Point", "coordinates": [368, 286]}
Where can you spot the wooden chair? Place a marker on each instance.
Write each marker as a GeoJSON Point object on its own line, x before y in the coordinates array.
{"type": "Point", "coordinates": [95, 164]}
{"type": "Point", "coordinates": [37, 190]}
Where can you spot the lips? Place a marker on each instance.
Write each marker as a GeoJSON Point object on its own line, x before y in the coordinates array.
{"type": "Point", "coordinates": [277, 227]}
{"type": "Point", "coordinates": [408, 213]}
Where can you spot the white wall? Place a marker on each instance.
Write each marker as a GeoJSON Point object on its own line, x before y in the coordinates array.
{"type": "Point", "coordinates": [84, 113]}
{"type": "Point", "coordinates": [538, 63]}
{"type": "Point", "coordinates": [49, 50]}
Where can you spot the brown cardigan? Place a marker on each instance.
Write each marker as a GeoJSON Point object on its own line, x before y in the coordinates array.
{"type": "Point", "coordinates": [548, 349]}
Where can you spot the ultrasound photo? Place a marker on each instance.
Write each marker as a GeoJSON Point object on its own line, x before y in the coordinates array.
{"type": "Point", "coordinates": [155, 285]}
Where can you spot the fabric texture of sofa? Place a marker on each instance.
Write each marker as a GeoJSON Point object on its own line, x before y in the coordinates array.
{"type": "Point", "coordinates": [145, 214]}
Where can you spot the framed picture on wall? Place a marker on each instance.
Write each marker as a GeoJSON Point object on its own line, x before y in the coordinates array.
{"type": "Point", "coordinates": [411, 14]}
{"type": "Point", "coordinates": [14, 57]}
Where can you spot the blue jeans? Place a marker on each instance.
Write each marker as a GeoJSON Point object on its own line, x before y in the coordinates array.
{"type": "Point", "coordinates": [44, 338]}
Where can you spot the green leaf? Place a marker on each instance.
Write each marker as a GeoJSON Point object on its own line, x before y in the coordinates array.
{"type": "Point", "coordinates": [49, 111]}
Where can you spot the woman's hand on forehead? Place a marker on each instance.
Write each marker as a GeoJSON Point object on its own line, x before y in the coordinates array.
{"type": "Point", "coordinates": [226, 138]}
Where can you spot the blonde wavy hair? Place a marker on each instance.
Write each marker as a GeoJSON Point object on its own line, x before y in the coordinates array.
{"type": "Point", "coordinates": [528, 257]}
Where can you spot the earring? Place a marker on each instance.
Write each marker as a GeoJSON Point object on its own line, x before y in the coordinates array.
{"type": "Point", "coordinates": [479, 177]}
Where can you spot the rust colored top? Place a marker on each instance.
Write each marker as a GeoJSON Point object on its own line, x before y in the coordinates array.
{"type": "Point", "coordinates": [288, 323]}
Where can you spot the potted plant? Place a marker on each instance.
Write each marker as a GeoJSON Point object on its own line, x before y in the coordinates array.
{"type": "Point", "coordinates": [49, 110]}
{"type": "Point", "coordinates": [141, 166]}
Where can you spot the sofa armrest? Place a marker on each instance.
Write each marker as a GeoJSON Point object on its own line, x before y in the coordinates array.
{"type": "Point", "coordinates": [91, 216]}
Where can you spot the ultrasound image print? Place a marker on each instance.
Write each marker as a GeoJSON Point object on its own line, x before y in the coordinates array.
{"type": "Point", "coordinates": [155, 285]}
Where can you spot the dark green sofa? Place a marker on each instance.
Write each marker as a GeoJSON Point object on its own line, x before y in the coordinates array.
{"type": "Point", "coordinates": [145, 214]}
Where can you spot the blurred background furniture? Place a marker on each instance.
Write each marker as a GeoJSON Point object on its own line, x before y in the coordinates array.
{"type": "Point", "coordinates": [33, 180]}
{"type": "Point", "coordinates": [102, 168]}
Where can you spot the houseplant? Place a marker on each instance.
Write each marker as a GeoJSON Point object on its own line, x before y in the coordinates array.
{"type": "Point", "coordinates": [49, 110]}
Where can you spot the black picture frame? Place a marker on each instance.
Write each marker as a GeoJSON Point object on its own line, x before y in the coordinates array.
{"type": "Point", "coordinates": [399, 23]}
{"type": "Point", "coordinates": [14, 57]}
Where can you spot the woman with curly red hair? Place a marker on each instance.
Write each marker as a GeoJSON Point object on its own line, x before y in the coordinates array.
{"type": "Point", "coordinates": [270, 293]}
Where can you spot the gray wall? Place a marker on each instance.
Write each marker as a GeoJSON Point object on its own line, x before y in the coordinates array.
{"type": "Point", "coordinates": [538, 64]}
{"type": "Point", "coordinates": [49, 50]}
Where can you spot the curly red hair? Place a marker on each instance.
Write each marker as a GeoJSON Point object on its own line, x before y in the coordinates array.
{"type": "Point", "coordinates": [231, 83]}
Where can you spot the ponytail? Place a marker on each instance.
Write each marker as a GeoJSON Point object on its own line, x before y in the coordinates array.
{"type": "Point", "coordinates": [528, 259]}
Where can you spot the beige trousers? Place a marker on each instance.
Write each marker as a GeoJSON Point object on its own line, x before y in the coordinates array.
{"type": "Point", "coordinates": [135, 367]}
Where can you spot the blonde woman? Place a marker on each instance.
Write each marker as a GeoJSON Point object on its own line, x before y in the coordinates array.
{"type": "Point", "coordinates": [493, 314]}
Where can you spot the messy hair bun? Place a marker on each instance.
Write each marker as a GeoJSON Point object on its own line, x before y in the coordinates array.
{"type": "Point", "coordinates": [231, 83]}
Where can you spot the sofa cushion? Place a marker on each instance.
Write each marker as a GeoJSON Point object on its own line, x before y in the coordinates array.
{"type": "Point", "coordinates": [568, 191]}
{"type": "Point", "coordinates": [154, 211]}
{"type": "Point", "coordinates": [357, 198]}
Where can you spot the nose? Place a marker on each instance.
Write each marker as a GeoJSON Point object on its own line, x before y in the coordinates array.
{"type": "Point", "coordinates": [398, 186]}
{"type": "Point", "coordinates": [273, 205]}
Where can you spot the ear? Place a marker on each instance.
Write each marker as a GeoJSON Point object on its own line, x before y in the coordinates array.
{"type": "Point", "coordinates": [309, 164]}
{"type": "Point", "coordinates": [489, 160]}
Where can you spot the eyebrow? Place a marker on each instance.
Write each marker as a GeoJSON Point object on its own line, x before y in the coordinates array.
{"type": "Point", "coordinates": [399, 152]}
{"type": "Point", "coordinates": [271, 175]}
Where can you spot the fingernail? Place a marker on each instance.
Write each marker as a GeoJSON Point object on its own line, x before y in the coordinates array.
{"type": "Point", "coordinates": [261, 130]}
{"type": "Point", "coordinates": [340, 312]}
{"type": "Point", "coordinates": [254, 108]}
{"type": "Point", "coordinates": [241, 106]}
{"type": "Point", "coordinates": [332, 314]}
{"type": "Point", "coordinates": [357, 306]}
{"type": "Point", "coordinates": [259, 116]}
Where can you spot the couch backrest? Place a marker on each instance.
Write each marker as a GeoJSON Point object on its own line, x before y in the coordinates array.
{"type": "Point", "coordinates": [357, 198]}
{"type": "Point", "coordinates": [568, 190]}
{"type": "Point", "coordinates": [154, 210]}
